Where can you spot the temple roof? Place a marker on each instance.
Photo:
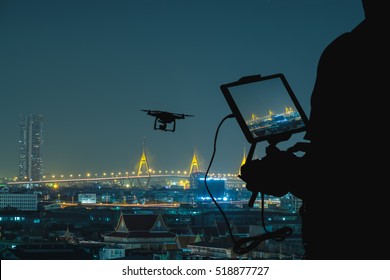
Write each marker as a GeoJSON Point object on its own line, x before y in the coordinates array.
{"type": "Point", "coordinates": [146, 222]}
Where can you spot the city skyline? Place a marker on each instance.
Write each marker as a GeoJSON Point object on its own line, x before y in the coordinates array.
{"type": "Point", "coordinates": [90, 66]}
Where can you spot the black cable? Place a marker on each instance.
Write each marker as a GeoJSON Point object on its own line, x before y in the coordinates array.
{"type": "Point", "coordinates": [246, 244]}
{"type": "Point", "coordinates": [207, 171]}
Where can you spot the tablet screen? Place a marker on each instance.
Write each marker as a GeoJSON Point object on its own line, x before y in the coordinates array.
{"type": "Point", "coordinates": [265, 107]}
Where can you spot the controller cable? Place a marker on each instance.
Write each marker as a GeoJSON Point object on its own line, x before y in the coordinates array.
{"type": "Point", "coordinates": [246, 244]}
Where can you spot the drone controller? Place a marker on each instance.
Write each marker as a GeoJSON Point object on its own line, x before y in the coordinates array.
{"type": "Point", "coordinates": [270, 165]}
{"type": "Point", "coordinates": [266, 109]}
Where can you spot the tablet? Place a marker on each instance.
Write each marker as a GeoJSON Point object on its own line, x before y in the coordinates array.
{"type": "Point", "coordinates": [265, 107]}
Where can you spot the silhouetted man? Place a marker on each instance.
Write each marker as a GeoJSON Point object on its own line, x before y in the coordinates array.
{"type": "Point", "coordinates": [345, 208]}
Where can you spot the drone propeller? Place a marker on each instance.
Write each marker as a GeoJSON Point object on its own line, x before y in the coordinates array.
{"type": "Point", "coordinates": [151, 112]}
{"type": "Point", "coordinates": [181, 115]}
{"type": "Point", "coordinates": [167, 113]}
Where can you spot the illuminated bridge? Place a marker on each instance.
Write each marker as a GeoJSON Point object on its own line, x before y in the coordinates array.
{"type": "Point", "coordinates": [141, 178]}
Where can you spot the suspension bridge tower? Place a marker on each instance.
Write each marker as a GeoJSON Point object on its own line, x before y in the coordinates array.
{"type": "Point", "coordinates": [143, 169]}
{"type": "Point", "coordinates": [194, 164]}
{"type": "Point", "coordinates": [242, 162]}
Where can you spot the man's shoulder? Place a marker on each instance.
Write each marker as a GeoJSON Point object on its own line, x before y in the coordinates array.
{"type": "Point", "coordinates": [340, 43]}
{"type": "Point", "coordinates": [345, 41]}
{"type": "Point", "coordinates": [338, 50]}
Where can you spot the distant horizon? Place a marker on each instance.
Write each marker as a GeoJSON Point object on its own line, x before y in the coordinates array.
{"type": "Point", "coordinates": [122, 172]}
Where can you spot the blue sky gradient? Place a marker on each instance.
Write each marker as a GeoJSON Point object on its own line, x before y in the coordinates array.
{"type": "Point", "coordinates": [90, 66]}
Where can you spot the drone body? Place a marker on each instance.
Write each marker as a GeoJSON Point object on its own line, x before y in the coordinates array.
{"type": "Point", "coordinates": [163, 118]}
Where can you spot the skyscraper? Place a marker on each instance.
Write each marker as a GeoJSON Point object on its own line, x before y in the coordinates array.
{"type": "Point", "coordinates": [31, 147]}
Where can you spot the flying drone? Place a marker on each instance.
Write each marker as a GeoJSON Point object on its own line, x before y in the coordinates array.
{"type": "Point", "coordinates": [163, 118]}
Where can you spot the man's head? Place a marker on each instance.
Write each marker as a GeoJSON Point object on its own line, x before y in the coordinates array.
{"type": "Point", "coordinates": [374, 9]}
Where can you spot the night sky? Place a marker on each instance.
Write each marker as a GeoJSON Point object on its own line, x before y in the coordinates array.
{"type": "Point", "coordinates": [90, 66]}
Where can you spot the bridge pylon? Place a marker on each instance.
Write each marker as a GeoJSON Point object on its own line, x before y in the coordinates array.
{"type": "Point", "coordinates": [194, 164]}
{"type": "Point", "coordinates": [143, 168]}
{"type": "Point", "coordinates": [242, 162]}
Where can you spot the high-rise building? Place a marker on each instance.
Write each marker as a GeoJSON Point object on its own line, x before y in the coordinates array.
{"type": "Point", "coordinates": [31, 147]}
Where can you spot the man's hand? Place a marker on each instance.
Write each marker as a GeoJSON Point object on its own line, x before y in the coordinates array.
{"type": "Point", "coordinates": [299, 147]}
{"type": "Point", "coordinates": [264, 176]}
